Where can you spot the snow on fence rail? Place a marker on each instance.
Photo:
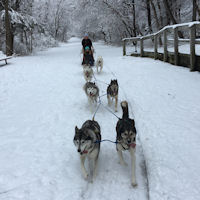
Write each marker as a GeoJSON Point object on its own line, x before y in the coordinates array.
{"type": "Point", "coordinates": [188, 60]}
{"type": "Point", "coordinates": [5, 59]}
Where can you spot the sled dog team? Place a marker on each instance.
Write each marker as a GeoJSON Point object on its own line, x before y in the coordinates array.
{"type": "Point", "coordinates": [87, 139]}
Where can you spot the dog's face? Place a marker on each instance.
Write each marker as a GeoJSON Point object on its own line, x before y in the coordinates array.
{"type": "Point", "coordinates": [82, 141]}
{"type": "Point", "coordinates": [114, 86]}
{"type": "Point", "coordinates": [87, 70]}
{"type": "Point", "coordinates": [91, 91]}
{"type": "Point", "coordinates": [128, 137]}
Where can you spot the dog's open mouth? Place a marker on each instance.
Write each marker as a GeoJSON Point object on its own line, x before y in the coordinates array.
{"type": "Point", "coordinates": [132, 145]}
{"type": "Point", "coordinates": [84, 152]}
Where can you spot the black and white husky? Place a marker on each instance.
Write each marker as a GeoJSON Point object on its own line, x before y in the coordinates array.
{"type": "Point", "coordinates": [112, 93]}
{"type": "Point", "coordinates": [87, 72]}
{"type": "Point", "coordinates": [92, 92]}
{"type": "Point", "coordinates": [87, 141]}
{"type": "Point", "coordinates": [99, 63]}
{"type": "Point", "coordinates": [126, 139]}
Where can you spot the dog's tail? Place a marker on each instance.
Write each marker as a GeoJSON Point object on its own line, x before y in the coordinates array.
{"type": "Point", "coordinates": [124, 105]}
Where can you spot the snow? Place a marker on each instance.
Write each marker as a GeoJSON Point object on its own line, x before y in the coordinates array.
{"type": "Point", "coordinates": [42, 101]}
{"type": "Point", "coordinates": [187, 24]}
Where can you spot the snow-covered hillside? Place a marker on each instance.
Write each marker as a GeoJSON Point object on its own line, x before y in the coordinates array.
{"type": "Point", "coordinates": [42, 100]}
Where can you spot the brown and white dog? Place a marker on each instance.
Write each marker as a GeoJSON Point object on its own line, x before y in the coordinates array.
{"type": "Point", "coordinates": [87, 72]}
{"type": "Point", "coordinates": [99, 64]}
{"type": "Point", "coordinates": [126, 139]}
{"type": "Point", "coordinates": [112, 93]}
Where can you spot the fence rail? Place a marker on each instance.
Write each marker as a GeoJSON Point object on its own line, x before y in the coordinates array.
{"type": "Point", "coordinates": [188, 60]}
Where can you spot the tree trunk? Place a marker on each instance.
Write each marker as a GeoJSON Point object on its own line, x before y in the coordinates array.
{"type": "Point", "coordinates": [149, 15]}
{"type": "Point", "coordinates": [9, 34]}
{"type": "Point", "coordinates": [167, 7]}
{"type": "Point", "coordinates": [134, 19]}
{"type": "Point", "coordinates": [157, 20]}
{"type": "Point", "coordinates": [194, 10]}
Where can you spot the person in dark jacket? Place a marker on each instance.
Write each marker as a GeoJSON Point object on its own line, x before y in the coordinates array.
{"type": "Point", "coordinates": [87, 50]}
{"type": "Point", "coordinates": [86, 42]}
{"type": "Point", "coordinates": [88, 57]}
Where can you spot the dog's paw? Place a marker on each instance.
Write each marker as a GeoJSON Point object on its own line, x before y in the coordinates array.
{"type": "Point", "coordinates": [86, 176]}
{"type": "Point", "coordinates": [134, 184]}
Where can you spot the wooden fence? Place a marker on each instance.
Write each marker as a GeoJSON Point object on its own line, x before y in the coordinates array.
{"type": "Point", "coordinates": [187, 60]}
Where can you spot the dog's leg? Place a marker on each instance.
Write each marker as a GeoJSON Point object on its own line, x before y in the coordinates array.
{"type": "Point", "coordinates": [101, 68]}
{"type": "Point", "coordinates": [85, 174]}
{"type": "Point", "coordinates": [97, 68]}
{"type": "Point", "coordinates": [116, 102]}
{"type": "Point", "coordinates": [109, 102]}
{"type": "Point", "coordinates": [95, 167]}
{"type": "Point", "coordinates": [121, 159]}
{"type": "Point", "coordinates": [90, 104]}
{"type": "Point", "coordinates": [133, 179]}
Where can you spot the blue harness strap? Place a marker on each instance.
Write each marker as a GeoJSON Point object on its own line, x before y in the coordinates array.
{"type": "Point", "coordinates": [99, 141]}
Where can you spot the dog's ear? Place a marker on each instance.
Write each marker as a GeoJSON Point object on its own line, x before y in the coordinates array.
{"type": "Point", "coordinates": [76, 129]}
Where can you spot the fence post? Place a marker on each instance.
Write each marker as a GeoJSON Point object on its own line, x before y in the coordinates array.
{"type": "Point", "coordinates": [124, 47]}
{"type": "Point", "coordinates": [141, 48]}
{"type": "Point", "coordinates": [165, 44]}
{"type": "Point", "coordinates": [176, 56]}
{"type": "Point", "coordinates": [155, 47]}
{"type": "Point", "coordinates": [192, 47]}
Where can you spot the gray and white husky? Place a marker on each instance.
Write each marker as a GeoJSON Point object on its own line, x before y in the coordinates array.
{"type": "Point", "coordinates": [99, 63]}
{"type": "Point", "coordinates": [92, 92]}
{"type": "Point", "coordinates": [87, 72]}
{"type": "Point", "coordinates": [126, 139]}
{"type": "Point", "coordinates": [87, 141]}
{"type": "Point", "coordinates": [112, 93]}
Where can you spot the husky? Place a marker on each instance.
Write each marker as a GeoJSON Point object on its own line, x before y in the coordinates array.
{"type": "Point", "coordinates": [112, 93]}
{"type": "Point", "coordinates": [126, 139]}
{"type": "Point", "coordinates": [99, 63]}
{"type": "Point", "coordinates": [92, 92]}
{"type": "Point", "coordinates": [87, 72]}
{"type": "Point", "coordinates": [87, 141]}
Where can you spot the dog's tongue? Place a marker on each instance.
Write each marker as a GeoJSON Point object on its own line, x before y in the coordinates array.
{"type": "Point", "coordinates": [133, 145]}
{"type": "Point", "coordinates": [84, 152]}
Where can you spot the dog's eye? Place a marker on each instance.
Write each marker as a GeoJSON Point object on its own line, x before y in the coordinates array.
{"type": "Point", "coordinates": [82, 142]}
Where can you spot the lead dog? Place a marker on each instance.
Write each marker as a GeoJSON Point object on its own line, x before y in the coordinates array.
{"type": "Point", "coordinates": [92, 92]}
{"type": "Point", "coordinates": [99, 63]}
{"type": "Point", "coordinates": [86, 140]}
{"type": "Point", "coordinates": [112, 93]}
{"type": "Point", "coordinates": [126, 136]}
{"type": "Point", "coordinates": [87, 72]}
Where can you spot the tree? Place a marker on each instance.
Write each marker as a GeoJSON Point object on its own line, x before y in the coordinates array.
{"type": "Point", "coordinates": [9, 33]}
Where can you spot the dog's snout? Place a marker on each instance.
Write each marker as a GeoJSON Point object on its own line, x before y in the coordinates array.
{"type": "Point", "coordinates": [79, 150]}
{"type": "Point", "coordinates": [129, 141]}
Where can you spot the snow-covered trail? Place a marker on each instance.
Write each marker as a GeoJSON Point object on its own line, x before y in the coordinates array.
{"type": "Point", "coordinates": [42, 100]}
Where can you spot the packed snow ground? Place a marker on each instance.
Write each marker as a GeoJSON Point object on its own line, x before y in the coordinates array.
{"type": "Point", "coordinates": [42, 100]}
